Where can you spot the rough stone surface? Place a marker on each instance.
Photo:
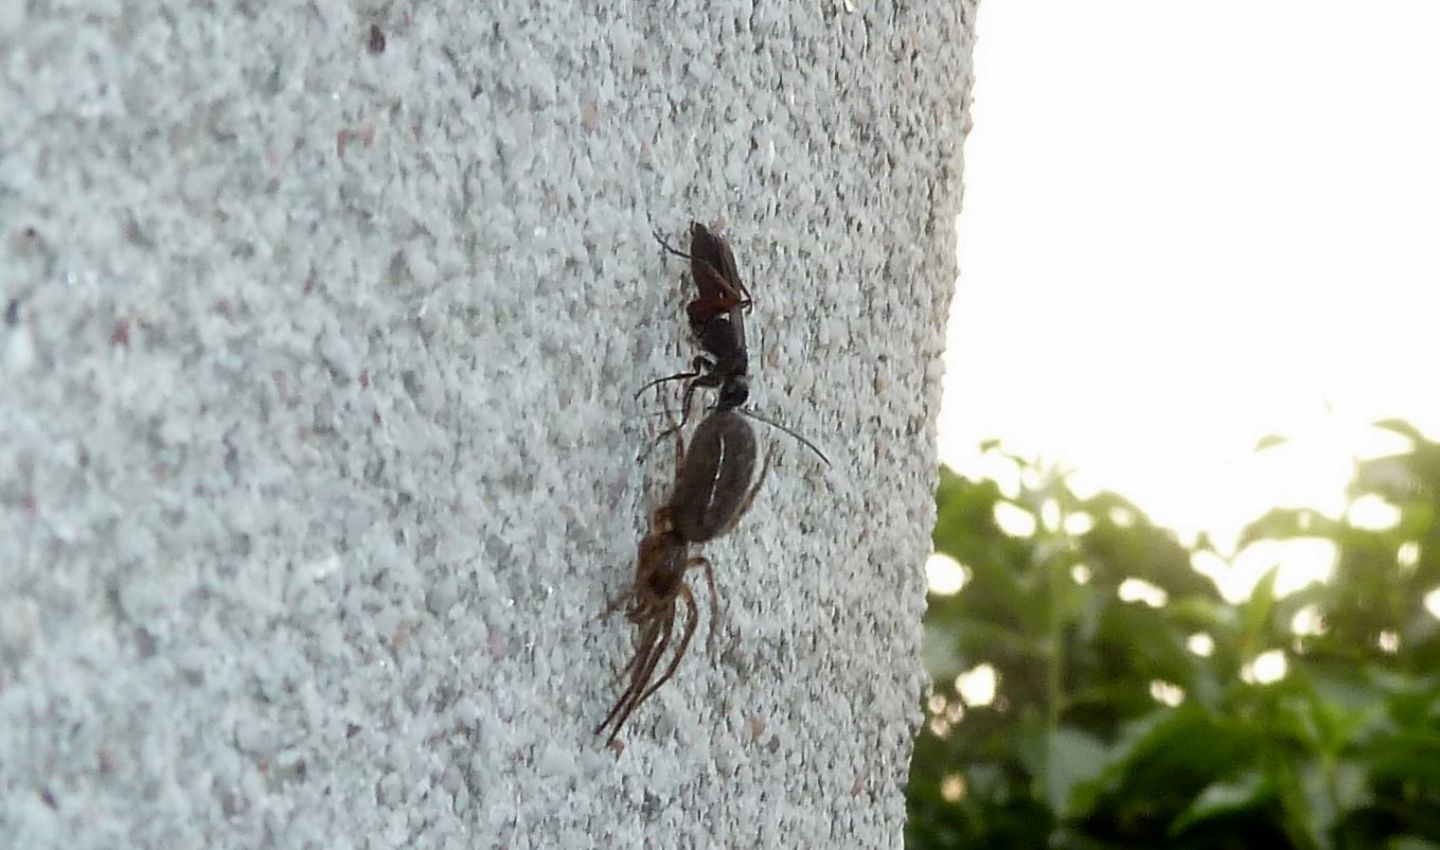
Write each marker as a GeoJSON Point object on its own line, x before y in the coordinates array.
{"type": "Point", "coordinates": [318, 446]}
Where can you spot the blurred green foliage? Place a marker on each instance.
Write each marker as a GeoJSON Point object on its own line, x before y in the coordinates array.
{"type": "Point", "coordinates": [1127, 724]}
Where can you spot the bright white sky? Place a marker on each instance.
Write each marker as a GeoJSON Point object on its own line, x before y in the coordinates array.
{"type": "Point", "coordinates": [1188, 225]}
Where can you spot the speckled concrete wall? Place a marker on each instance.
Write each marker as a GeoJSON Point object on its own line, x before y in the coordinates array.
{"type": "Point", "coordinates": [318, 439]}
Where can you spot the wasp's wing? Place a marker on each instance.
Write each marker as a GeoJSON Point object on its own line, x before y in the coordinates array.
{"type": "Point", "coordinates": [711, 249]}
{"type": "Point", "coordinates": [712, 266]}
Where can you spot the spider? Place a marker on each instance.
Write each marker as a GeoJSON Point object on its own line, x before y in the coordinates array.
{"type": "Point", "coordinates": [712, 491]}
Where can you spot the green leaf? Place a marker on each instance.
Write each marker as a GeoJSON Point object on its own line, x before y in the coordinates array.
{"type": "Point", "coordinates": [1073, 758]}
{"type": "Point", "coordinates": [1270, 441]}
{"type": "Point", "coordinates": [1255, 611]}
{"type": "Point", "coordinates": [1401, 427]}
{"type": "Point", "coordinates": [1287, 524]}
{"type": "Point", "coordinates": [1222, 798]}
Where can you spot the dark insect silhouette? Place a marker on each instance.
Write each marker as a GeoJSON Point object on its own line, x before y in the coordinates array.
{"type": "Point", "coordinates": [712, 491]}
{"type": "Point", "coordinates": [717, 320]}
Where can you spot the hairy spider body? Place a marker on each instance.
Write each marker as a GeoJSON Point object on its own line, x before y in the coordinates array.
{"type": "Point", "coordinates": [712, 491]}
{"type": "Point", "coordinates": [710, 486]}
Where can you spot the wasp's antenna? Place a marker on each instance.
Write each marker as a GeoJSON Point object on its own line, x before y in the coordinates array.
{"type": "Point", "coordinates": [773, 424]}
